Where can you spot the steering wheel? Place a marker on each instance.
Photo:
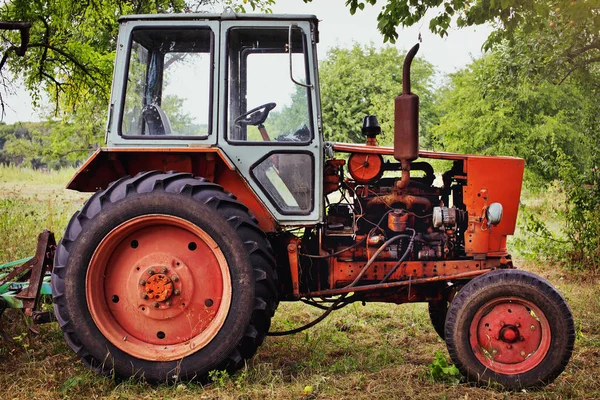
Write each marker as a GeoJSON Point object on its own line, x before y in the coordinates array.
{"type": "Point", "coordinates": [256, 116]}
{"type": "Point", "coordinates": [156, 120]}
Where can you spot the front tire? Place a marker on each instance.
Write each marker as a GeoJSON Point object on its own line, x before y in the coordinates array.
{"type": "Point", "coordinates": [510, 327]}
{"type": "Point", "coordinates": [164, 276]}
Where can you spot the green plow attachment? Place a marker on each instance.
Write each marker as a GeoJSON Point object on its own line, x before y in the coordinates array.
{"type": "Point", "coordinates": [23, 281]}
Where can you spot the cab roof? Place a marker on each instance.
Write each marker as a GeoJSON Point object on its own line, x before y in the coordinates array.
{"type": "Point", "coordinates": [226, 16]}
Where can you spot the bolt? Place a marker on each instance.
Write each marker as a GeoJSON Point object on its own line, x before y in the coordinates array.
{"type": "Point", "coordinates": [145, 296]}
{"type": "Point", "coordinates": [168, 303]}
{"type": "Point", "coordinates": [142, 282]}
{"type": "Point", "coordinates": [518, 325]}
{"type": "Point", "coordinates": [151, 271]}
{"type": "Point", "coordinates": [522, 353]}
{"type": "Point", "coordinates": [176, 292]}
{"type": "Point", "coordinates": [163, 270]}
{"type": "Point", "coordinates": [532, 327]}
{"type": "Point", "coordinates": [155, 304]}
{"type": "Point", "coordinates": [175, 278]}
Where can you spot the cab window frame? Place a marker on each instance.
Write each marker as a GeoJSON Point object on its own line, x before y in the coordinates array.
{"type": "Point", "coordinates": [243, 89]}
{"type": "Point", "coordinates": [211, 45]}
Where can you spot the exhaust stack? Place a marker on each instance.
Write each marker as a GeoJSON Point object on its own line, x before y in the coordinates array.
{"type": "Point", "coordinates": [406, 117]}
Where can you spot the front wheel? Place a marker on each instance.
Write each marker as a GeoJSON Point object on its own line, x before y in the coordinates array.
{"type": "Point", "coordinates": [510, 327]}
{"type": "Point", "coordinates": [165, 277]}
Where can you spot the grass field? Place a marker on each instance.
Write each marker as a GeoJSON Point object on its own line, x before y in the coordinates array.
{"type": "Point", "coordinates": [378, 351]}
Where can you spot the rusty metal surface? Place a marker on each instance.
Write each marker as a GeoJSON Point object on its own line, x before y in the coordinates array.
{"type": "Point", "coordinates": [344, 271]}
{"type": "Point", "coordinates": [107, 165]}
{"type": "Point", "coordinates": [43, 262]}
{"type": "Point", "coordinates": [158, 287]}
{"type": "Point", "coordinates": [384, 286]}
{"type": "Point", "coordinates": [294, 267]}
{"type": "Point", "coordinates": [389, 151]}
{"type": "Point", "coordinates": [34, 270]}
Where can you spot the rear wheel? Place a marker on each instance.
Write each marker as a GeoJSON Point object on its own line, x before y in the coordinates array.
{"type": "Point", "coordinates": [164, 276]}
{"type": "Point", "coordinates": [510, 327]}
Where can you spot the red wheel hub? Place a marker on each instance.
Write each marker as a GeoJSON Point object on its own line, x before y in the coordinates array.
{"type": "Point", "coordinates": [510, 335]}
{"type": "Point", "coordinates": [158, 287]}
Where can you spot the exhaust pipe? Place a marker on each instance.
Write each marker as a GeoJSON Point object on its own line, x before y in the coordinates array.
{"type": "Point", "coordinates": [406, 117]}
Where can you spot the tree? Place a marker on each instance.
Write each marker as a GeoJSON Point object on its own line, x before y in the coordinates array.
{"type": "Point", "coordinates": [71, 53]}
{"type": "Point", "coordinates": [488, 110]}
{"type": "Point", "coordinates": [566, 32]}
{"type": "Point", "coordinates": [365, 80]}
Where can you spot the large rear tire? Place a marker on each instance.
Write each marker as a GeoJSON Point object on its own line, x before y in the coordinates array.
{"type": "Point", "coordinates": [164, 276]}
{"type": "Point", "coordinates": [510, 327]}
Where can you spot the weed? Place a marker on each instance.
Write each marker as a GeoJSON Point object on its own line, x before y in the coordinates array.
{"type": "Point", "coordinates": [440, 371]}
{"type": "Point", "coordinates": [219, 378]}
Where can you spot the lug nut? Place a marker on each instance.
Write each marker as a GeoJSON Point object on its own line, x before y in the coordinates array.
{"type": "Point", "coordinates": [155, 304]}
{"type": "Point", "coordinates": [142, 282]}
{"type": "Point", "coordinates": [163, 270]}
{"type": "Point", "coordinates": [521, 338]}
{"type": "Point", "coordinates": [502, 323]}
{"type": "Point", "coordinates": [532, 327]}
{"type": "Point", "coordinates": [151, 271]}
{"type": "Point", "coordinates": [175, 278]}
{"type": "Point", "coordinates": [522, 353]}
{"type": "Point", "coordinates": [518, 325]}
{"type": "Point", "coordinates": [509, 346]}
{"type": "Point", "coordinates": [168, 303]}
{"type": "Point", "coordinates": [176, 292]}
{"type": "Point", "coordinates": [145, 296]}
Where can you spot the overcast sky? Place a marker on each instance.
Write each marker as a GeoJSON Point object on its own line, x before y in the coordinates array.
{"type": "Point", "coordinates": [339, 28]}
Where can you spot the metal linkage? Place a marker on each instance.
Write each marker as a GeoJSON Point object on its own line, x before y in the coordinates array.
{"type": "Point", "coordinates": [21, 288]}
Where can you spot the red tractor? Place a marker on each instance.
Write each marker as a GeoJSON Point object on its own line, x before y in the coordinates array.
{"type": "Point", "coordinates": [169, 275]}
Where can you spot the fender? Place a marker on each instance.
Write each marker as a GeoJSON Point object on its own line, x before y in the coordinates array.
{"type": "Point", "coordinates": [107, 165]}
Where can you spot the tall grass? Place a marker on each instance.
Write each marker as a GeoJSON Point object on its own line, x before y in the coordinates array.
{"type": "Point", "coordinates": [31, 201]}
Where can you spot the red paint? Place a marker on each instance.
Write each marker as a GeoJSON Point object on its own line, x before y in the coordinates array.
{"type": "Point", "coordinates": [158, 287]}
{"type": "Point", "coordinates": [510, 335]}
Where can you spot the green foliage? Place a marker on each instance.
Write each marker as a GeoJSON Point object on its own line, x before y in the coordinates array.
{"type": "Point", "coordinates": [254, 5]}
{"type": "Point", "coordinates": [50, 144]}
{"type": "Point", "coordinates": [575, 20]}
{"type": "Point", "coordinates": [440, 371]}
{"type": "Point", "coordinates": [491, 108]}
{"type": "Point", "coordinates": [582, 230]}
{"type": "Point", "coordinates": [364, 80]}
{"type": "Point", "coordinates": [219, 378]}
{"type": "Point", "coordinates": [70, 59]}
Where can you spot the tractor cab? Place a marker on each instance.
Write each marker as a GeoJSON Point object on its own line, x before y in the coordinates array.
{"type": "Point", "coordinates": [246, 85]}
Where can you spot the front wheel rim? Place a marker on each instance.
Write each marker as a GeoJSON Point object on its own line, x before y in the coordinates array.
{"type": "Point", "coordinates": [158, 287]}
{"type": "Point", "coordinates": [510, 335]}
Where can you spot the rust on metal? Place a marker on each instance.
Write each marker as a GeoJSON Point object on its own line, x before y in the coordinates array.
{"type": "Point", "coordinates": [159, 287]}
{"type": "Point", "coordinates": [41, 263]}
{"type": "Point", "coordinates": [107, 165]}
{"type": "Point", "coordinates": [390, 285]}
{"type": "Point", "coordinates": [294, 267]}
{"type": "Point", "coordinates": [406, 116]}
{"type": "Point", "coordinates": [157, 326]}
{"type": "Point", "coordinates": [510, 335]}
